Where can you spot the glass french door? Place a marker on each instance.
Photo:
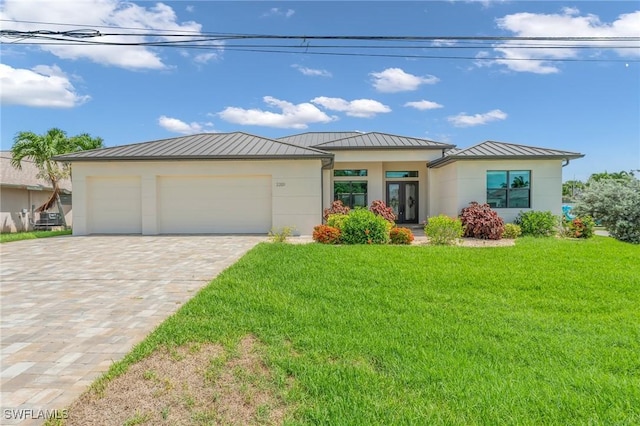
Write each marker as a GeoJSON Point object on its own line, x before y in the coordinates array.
{"type": "Point", "coordinates": [402, 197]}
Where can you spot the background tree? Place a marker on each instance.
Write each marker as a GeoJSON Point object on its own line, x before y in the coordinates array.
{"type": "Point", "coordinates": [41, 149]}
{"type": "Point", "coordinates": [616, 203]}
{"type": "Point", "coordinates": [622, 175]}
{"type": "Point", "coordinates": [571, 188]}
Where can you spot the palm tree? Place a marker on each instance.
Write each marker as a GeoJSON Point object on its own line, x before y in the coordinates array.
{"type": "Point", "coordinates": [41, 149]}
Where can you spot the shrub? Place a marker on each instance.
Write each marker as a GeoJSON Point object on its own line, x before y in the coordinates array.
{"type": "Point", "coordinates": [443, 230]}
{"type": "Point", "coordinates": [537, 223]}
{"type": "Point", "coordinates": [380, 208]}
{"type": "Point", "coordinates": [336, 208]}
{"type": "Point", "coordinates": [364, 227]}
{"type": "Point", "coordinates": [511, 231]}
{"type": "Point", "coordinates": [326, 234]}
{"type": "Point", "coordinates": [336, 220]}
{"type": "Point", "coordinates": [281, 235]}
{"type": "Point", "coordinates": [580, 227]}
{"type": "Point", "coordinates": [615, 204]}
{"type": "Point", "coordinates": [479, 221]}
{"type": "Point", "coordinates": [401, 236]}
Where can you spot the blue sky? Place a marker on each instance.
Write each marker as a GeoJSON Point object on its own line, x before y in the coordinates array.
{"type": "Point", "coordinates": [128, 94]}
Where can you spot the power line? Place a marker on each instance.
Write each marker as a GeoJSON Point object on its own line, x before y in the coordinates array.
{"type": "Point", "coordinates": [305, 43]}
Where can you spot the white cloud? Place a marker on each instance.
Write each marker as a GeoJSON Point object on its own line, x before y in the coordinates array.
{"type": "Point", "coordinates": [292, 116]}
{"type": "Point", "coordinates": [443, 43]}
{"type": "Point", "coordinates": [190, 8]}
{"type": "Point", "coordinates": [311, 71]}
{"type": "Point", "coordinates": [570, 11]}
{"type": "Point", "coordinates": [178, 126]}
{"type": "Point", "coordinates": [92, 14]}
{"type": "Point", "coordinates": [394, 80]}
{"type": "Point", "coordinates": [44, 86]}
{"type": "Point", "coordinates": [464, 120]}
{"type": "Point", "coordinates": [203, 58]}
{"type": "Point", "coordinates": [364, 108]}
{"type": "Point", "coordinates": [486, 3]}
{"type": "Point", "coordinates": [569, 23]}
{"type": "Point", "coordinates": [423, 105]}
{"type": "Point", "coordinates": [276, 11]}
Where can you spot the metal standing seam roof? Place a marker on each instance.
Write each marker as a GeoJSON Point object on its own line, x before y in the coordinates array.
{"type": "Point", "coordinates": [501, 150]}
{"type": "Point", "coordinates": [376, 140]}
{"type": "Point", "coordinates": [220, 146]}
{"type": "Point", "coordinates": [316, 138]}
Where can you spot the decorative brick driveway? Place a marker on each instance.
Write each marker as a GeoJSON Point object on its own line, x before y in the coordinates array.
{"type": "Point", "coordinates": [71, 306]}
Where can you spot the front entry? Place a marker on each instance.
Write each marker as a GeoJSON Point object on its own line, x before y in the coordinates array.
{"type": "Point", "coordinates": [402, 197]}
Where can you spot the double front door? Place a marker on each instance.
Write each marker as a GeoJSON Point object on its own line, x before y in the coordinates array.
{"type": "Point", "coordinates": [402, 197]}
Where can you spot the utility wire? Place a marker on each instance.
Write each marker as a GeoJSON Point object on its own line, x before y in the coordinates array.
{"type": "Point", "coordinates": [304, 43]}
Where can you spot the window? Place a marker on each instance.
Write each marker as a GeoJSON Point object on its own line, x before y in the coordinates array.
{"type": "Point", "coordinates": [351, 193]}
{"type": "Point", "coordinates": [509, 189]}
{"type": "Point", "coordinates": [399, 174]}
{"type": "Point", "coordinates": [349, 173]}
{"type": "Point", "coordinates": [65, 199]}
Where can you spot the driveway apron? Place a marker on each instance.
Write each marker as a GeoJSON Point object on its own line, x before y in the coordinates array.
{"type": "Point", "coordinates": [71, 306]}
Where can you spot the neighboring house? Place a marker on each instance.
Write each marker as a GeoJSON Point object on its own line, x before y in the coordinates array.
{"type": "Point", "coordinates": [22, 191]}
{"type": "Point", "coordinates": [241, 183]}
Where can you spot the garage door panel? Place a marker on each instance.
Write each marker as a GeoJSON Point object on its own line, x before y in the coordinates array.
{"type": "Point", "coordinates": [114, 205]}
{"type": "Point", "coordinates": [214, 204]}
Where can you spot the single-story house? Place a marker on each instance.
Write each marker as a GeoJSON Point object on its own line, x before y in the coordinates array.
{"type": "Point", "coordinates": [242, 183]}
{"type": "Point", "coordinates": [22, 192]}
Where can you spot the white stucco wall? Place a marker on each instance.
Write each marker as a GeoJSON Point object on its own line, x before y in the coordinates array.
{"type": "Point", "coordinates": [295, 188]}
{"type": "Point", "coordinates": [461, 182]}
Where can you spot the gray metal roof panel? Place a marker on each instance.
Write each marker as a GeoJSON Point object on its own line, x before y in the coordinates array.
{"type": "Point", "coordinates": [315, 138]}
{"type": "Point", "coordinates": [502, 150]}
{"type": "Point", "coordinates": [237, 145]}
{"type": "Point", "coordinates": [377, 140]}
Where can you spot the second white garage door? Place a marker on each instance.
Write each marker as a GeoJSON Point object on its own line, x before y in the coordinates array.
{"type": "Point", "coordinates": [214, 204]}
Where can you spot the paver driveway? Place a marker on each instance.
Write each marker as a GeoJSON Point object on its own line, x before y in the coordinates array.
{"type": "Point", "coordinates": [71, 306]}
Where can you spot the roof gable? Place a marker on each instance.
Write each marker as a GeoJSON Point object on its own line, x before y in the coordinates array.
{"type": "Point", "coordinates": [236, 145]}
{"type": "Point", "coordinates": [502, 150]}
{"type": "Point", "coordinates": [315, 138]}
{"type": "Point", "coordinates": [331, 141]}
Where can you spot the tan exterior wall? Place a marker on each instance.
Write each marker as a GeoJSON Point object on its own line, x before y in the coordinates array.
{"type": "Point", "coordinates": [295, 188]}
{"type": "Point", "coordinates": [464, 181]}
{"type": "Point", "coordinates": [377, 162]}
{"type": "Point", "coordinates": [14, 200]}
{"type": "Point", "coordinates": [443, 190]}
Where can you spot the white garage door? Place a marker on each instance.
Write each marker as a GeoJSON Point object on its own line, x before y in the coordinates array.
{"type": "Point", "coordinates": [114, 205]}
{"type": "Point", "coordinates": [214, 204]}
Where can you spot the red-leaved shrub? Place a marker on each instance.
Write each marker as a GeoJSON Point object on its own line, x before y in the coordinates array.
{"type": "Point", "coordinates": [401, 236]}
{"type": "Point", "coordinates": [479, 221]}
{"type": "Point", "coordinates": [326, 234]}
{"type": "Point", "coordinates": [336, 208]}
{"type": "Point", "coordinates": [380, 208]}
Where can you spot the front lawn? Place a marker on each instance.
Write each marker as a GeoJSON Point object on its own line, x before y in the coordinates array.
{"type": "Point", "coordinates": [546, 332]}
{"type": "Point", "coordinates": [18, 236]}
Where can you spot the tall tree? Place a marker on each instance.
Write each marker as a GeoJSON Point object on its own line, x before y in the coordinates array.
{"type": "Point", "coordinates": [623, 175]}
{"type": "Point", "coordinates": [41, 149]}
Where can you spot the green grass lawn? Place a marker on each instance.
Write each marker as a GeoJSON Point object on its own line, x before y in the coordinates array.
{"type": "Point", "coordinates": [18, 236]}
{"type": "Point", "coordinates": [546, 332]}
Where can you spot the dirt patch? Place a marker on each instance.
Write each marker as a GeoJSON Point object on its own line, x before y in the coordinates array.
{"type": "Point", "coordinates": [201, 384]}
{"type": "Point", "coordinates": [472, 242]}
